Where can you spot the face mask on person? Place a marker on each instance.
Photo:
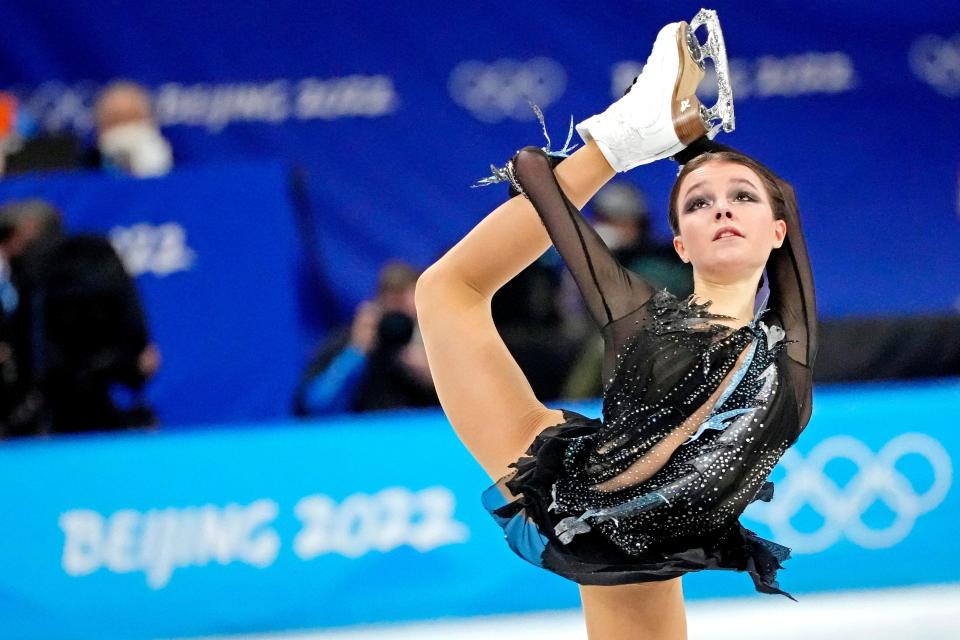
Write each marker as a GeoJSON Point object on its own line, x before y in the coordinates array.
{"type": "Point", "coordinates": [138, 148]}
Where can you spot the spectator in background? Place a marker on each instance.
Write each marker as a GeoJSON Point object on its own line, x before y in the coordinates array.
{"type": "Point", "coordinates": [376, 362]}
{"type": "Point", "coordinates": [128, 138]}
{"type": "Point", "coordinates": [25, 147]}
{"type": "Point", "coordinates": [79, 350]}
{"type": "Point", "coordinates": [21, 224]}
{"type": "Point", "coordinates": [527, 315]}
{"type": "Point", "coordinates": [622, 219]}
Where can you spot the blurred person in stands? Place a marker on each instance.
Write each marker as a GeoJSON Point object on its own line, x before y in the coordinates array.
{"type": "Point", "coordinates": [77, 346]}
{"type": "Point", "coordinates": [26, 147]}
{"type": "Point", "coordinates": [623, 221]}
{"type": "Point", "coordinates": [377, 361]}
{"type": "Point", "coordinates": [20, 400]}
{"type": "Point", "coordinates": [128, 138]}
{"type": "Point", "coordinates": [622, 218]}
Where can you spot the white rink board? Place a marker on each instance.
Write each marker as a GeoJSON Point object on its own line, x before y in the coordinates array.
{"type": "Point", "coordinates": [917, 613]}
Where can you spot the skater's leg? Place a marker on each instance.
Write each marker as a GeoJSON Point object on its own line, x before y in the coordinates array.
{"type": "Point", "coordinates": [647, 611]}
{"type": "Point", "coordinates": [482, 390]}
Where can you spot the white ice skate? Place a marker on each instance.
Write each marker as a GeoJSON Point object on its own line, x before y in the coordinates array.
{"type": "Point", "coordinates": [660, 114]}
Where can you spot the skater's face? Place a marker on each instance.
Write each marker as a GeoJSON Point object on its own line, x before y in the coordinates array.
{"type": "Point", "coordinates": [721, 194]}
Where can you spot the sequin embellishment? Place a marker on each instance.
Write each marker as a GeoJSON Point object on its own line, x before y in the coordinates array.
{"type": "Point", "coordinates": [667, 383]}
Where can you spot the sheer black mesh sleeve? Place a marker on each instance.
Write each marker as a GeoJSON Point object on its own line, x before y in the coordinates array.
{"type": "Point", "coordinates": [609, 290]}
{"type": "Point", "coordinates": [792, 297]}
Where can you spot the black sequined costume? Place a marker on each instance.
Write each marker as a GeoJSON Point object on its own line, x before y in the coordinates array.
{"type": "Point", "coordinates": [597, 501]}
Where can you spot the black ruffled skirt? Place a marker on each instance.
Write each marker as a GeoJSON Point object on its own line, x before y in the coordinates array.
{"type": "Point", "coordinates": [591, 558]}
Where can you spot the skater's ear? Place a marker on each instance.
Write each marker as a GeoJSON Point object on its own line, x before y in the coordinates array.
{"type": "Point", "coordinates": [779, 232]}
{"type": "Point", "coordinates": [681, 250]}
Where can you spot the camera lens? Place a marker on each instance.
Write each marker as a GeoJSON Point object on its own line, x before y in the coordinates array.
{"type": "Point", "coordinates": [395, 330]}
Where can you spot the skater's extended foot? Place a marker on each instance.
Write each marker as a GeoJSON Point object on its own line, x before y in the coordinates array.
{"type": "Point", "coordinates": [660, 114]}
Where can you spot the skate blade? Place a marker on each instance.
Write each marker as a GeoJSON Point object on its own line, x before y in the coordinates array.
{"type": "Point", "coordinates": [686, 107]}
{"type": "Point", "coordinates": [691, 119]}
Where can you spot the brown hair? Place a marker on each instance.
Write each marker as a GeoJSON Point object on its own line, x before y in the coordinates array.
{"type": "Point", "coordinates": [769, 179]}
{"type": "Point", "coordinates": [395, 276]}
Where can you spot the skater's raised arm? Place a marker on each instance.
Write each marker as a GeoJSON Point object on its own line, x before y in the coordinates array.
{"type": "Point", "coordinates": [792, 297]}
{"type": "Point", "coordinates": [610, 290]}
{"type": "Point", "coordinates": [512, 236]}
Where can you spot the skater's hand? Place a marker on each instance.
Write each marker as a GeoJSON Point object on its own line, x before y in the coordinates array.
{"type": "Point", "coordinates": [363, 333]}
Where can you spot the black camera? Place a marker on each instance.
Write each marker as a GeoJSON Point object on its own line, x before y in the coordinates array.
{"type": "Point", "coordinates": [394, 331]}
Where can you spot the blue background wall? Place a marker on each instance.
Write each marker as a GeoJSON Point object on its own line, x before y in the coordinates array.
{"type": "Point", "coordinates": [395, 109]}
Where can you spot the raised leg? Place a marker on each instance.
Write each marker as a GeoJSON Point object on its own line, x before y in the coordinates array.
{"type": "Point", "coordinates": [480, 386]}
{"type": "Point", "coordinates": [485, 395]}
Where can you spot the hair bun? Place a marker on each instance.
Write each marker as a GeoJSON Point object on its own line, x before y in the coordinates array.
{"type": "Point", "coordinates": [700, 146]}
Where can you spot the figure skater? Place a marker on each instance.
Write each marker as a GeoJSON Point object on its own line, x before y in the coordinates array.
{"type": "Point", "coordinates": [698, 404]}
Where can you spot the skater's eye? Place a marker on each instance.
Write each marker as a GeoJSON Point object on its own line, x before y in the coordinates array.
{"type": "Point", "coordinates": [696, 203]}
{"type": "Point", "coordinates": [746, 195]}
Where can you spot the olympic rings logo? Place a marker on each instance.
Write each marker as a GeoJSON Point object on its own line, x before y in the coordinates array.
{"type": "Point", "coordinates": [505, 88]}
{"type": "Point", "coordinates": [843, 509]}
{"type": "Point", "coordinates": [936, 61]}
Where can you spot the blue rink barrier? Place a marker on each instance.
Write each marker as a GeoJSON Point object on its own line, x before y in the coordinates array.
{"type": "Point", "coordinates": [358, 519]}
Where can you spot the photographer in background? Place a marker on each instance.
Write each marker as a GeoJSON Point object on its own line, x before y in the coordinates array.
{"type": "Point", "coordinates": [376, 362]}
{"type": "Point", "coordinates": [75, 353]}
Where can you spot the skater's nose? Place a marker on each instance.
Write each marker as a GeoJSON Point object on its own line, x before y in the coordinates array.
{"type": "Point", "coordinates": [721, 213]}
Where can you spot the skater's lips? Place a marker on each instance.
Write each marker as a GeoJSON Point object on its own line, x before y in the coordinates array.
{"type": "Point", "coordinates": [723, 230]}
